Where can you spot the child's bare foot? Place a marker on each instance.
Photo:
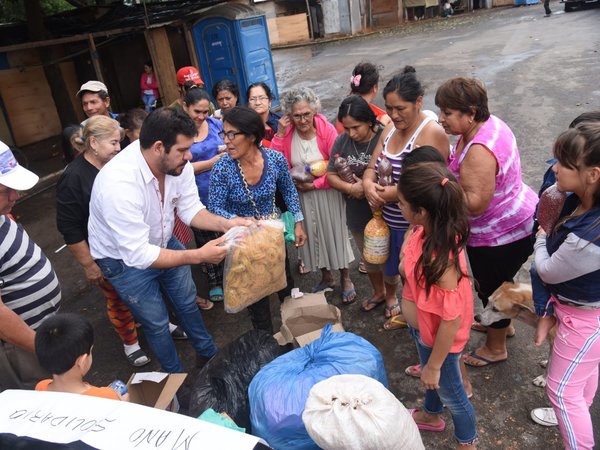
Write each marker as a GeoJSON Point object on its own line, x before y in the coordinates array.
{"type": "Point", "coordinates": [544, 326]}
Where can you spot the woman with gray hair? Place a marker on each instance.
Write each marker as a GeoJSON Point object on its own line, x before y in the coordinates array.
{"type": "Point", "coordinates": [304, 137]}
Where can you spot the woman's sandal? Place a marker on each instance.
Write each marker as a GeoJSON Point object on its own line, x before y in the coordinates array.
{"type": "Point", "coordinates": [413, 371]}
{"type": "Point", "coordinates": [348, 297]}
{"type": "Point", "coordinates": [395, 323]}
{"type": "Point", "coordinates": [216, 294]}
{"type": "Point", "coordinates": [371, 304]}
{"type": "Point", "coordinates": [323, 286]}
{"type": "Point", "coordinates": [138, 358]}
{"type": "Point", "coordinates": [302, 270]}
{"type": "Point", "coordinates": [204, 304]}
{"type": "Point", "coordinates": [389, 310]}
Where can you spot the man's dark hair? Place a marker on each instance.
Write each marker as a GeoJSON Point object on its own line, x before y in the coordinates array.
{"type": "Point", "coordinates": [61, 339]}
{"type": "Point", "coordinates": [165, 124]}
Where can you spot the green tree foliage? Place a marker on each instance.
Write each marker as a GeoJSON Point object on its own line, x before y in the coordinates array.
{"type": "Point", "coordinates": [14, 10]}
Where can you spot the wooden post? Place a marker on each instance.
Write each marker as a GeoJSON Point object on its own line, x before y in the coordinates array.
{"type": "Point", "coordinates": [162, 60]}
{"type": "Point", "coordinates": [310, 23]}
{"type": "Point", "coordinates": [191, 47]}
{"type": "Point", "coordinates": [95, 58]}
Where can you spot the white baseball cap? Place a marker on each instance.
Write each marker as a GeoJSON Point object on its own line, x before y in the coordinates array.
{"type": "Point", "coordinates": [92, 86]}
{"type": "Point", "coordinates": [13, 175]}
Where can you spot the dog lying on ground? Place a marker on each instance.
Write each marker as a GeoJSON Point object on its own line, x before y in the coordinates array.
{"type": "Point", "coordinates": [514, 301]}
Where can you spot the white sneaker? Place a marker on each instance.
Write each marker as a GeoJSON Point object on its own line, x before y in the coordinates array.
{"type": "Point", "coordinates": [544, 416]}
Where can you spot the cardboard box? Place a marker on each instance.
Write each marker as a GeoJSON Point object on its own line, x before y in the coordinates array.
{"type": "Point", "coordinates": [155, 389]}
{"type": "Point", "coordinates": [303, 319]}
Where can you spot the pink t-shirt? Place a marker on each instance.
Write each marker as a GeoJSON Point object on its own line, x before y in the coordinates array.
{"type": "Point", "coordinates": [440, 304]}
{"type": "Point", "coordinates": [509, 216]}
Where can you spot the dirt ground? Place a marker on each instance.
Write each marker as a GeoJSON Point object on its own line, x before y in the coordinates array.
{"type": "Point", "coordinates": [540, 73]}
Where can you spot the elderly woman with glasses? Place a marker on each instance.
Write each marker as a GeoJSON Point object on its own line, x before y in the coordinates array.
{"type": "Point", "coordinates": [243, 184]}
{"type": "Point", "coordinates": [304, 136]}
{"type": "Point", "coordinates": [259, 97]}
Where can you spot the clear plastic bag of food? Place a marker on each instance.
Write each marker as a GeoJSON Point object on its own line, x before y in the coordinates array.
{"type": "Point", "coordinates": [254, 265]}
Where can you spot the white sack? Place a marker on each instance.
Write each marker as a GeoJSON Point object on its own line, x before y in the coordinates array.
{"type": "Point", "coordinates": [355, 412]}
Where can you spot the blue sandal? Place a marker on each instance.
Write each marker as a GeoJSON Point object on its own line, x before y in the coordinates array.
{"type": "Point", "coordinates": [216, 294]}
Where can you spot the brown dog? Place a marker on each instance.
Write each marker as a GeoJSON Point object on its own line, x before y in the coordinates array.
{"type": "Point", "coordinates": [514, 301]}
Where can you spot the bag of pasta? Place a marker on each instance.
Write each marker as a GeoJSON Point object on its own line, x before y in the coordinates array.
{"type": "Point", "coordinates": [254, 265]}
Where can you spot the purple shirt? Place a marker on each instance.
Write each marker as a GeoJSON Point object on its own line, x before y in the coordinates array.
{"type": "Point", "coordinates": [509, 216]}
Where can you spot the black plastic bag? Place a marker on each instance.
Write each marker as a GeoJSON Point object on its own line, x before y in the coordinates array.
{"type": "Point", "coordinates": [223, 382]}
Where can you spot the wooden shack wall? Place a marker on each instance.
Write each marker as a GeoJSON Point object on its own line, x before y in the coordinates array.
{"type": "Point", "coordinates": [27, 98]}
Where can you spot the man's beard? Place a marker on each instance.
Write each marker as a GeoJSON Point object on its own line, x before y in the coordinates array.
{"type": "Point", "coordinates": [174, 172]}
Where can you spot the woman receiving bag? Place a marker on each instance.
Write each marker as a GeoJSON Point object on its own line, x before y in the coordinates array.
{"type": "Point", "coordinates": [244, 181]}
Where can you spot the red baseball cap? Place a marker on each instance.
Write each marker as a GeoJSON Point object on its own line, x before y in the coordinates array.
{"type": "Point", "coordinates": [188, 73]}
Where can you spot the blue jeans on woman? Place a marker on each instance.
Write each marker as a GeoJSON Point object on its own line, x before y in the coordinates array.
{"type": "Point", "coordinates": [450, 393]}
{"type": "Point", "coordinates": [142, 291]}
{"type": "Point", "coordinates": [149, 102]}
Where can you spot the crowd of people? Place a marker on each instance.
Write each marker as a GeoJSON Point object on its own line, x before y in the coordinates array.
{"type": "Point", "coordinates": [126, 213]}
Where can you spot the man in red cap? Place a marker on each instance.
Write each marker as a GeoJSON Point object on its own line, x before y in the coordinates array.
{"type": "Point", "coordinates": [188, 77]}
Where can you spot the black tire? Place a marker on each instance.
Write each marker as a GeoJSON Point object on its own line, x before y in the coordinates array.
{"type": "Point", "coordinates": [571, 6]}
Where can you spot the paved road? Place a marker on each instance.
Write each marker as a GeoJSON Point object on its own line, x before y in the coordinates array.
{"type": "Point", "coordinates": [540, 73]}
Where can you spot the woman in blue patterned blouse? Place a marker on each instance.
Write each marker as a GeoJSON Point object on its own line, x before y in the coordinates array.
{"type": "Point", "coordinates": [244, 181]}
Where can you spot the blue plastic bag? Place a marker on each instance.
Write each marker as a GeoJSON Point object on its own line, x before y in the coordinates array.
{"type": "Point", "coordinates": [279, 390]}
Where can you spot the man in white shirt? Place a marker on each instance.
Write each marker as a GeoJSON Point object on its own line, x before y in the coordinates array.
{"type": "Point", "coordinates": [131, 232]}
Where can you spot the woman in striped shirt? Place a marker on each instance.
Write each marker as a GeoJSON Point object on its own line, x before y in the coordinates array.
{"type": "Point", "coordinates": [410, 128]}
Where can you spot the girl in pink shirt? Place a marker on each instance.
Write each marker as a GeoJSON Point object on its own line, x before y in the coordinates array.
{"type": "Point", "coordinates": [438, 293]}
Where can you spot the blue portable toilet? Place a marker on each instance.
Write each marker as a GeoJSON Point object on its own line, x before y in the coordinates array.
{"type": "Point", "coordinates": [232, 41]}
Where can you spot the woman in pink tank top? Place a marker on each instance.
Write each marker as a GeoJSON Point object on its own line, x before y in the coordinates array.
{"type": "Point", "coordinates": [486, 161]}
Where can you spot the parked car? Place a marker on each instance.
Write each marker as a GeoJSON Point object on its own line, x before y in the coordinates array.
{"type": "Point", "coordinates": [570, 5]}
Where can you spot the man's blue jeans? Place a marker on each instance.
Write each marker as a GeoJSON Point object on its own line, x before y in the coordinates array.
{"type": "Point", "coordinates": [450, 393]}
{"type": "Point", "coordinates": [142, 291]}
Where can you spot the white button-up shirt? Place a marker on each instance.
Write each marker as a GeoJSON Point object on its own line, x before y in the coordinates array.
{"type": "Point", "coordinates": [128, 218]}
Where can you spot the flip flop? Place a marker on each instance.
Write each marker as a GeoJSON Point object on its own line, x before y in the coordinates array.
{"type": "Point", "coordinates": [350, 293]}
{"type": "Point", "coordinates": [216, 294]}
{"type": "Point", "coordinates": [204, 304]}
{"type": "Point", "coordinates": [323, 286]}
{"type": "Point", "coordinates": [413, 371]}
{"type": "Point", "coordinates": [390, 309]}
{"type": "Point", "coordinates": [426, 427]}
{"type": "Point", "coordinates": [138, 358]}
{"type": "Point", "coordinates": [372, 304]}
{"type": "Point", "coordinates": [362, 268]}
{"type": "Point", "coordinates": [302, 270]}
{"type": "Point", "coordinates": [394, 323]}
{"type": "Point", "coordinates": [487, 362]}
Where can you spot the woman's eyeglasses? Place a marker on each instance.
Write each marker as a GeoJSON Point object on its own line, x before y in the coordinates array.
{"type": "Point", "coordinates": [261, 99]}
{"type": "Point", "coordinates": [305, 116]}
{"type": "Point", "coordinates": [230, 135]}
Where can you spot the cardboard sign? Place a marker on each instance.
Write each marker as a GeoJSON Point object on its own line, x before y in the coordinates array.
{"type": "Point", "coordinates": [110, 424]}
{"type": "Point", "coordinates": [304, 318]}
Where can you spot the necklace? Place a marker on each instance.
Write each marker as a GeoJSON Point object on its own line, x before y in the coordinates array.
{"type": "Point", "coordinates": [258, 215]}
{"type": "Point", "coordinates": [367, 147]}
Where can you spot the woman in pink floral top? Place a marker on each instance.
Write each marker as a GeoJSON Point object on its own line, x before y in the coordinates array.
{"type": "Point", "coordinates": [486, 161]}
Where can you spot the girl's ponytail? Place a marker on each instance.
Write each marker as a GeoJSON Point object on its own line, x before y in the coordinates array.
{"type": "Point", "coordinates": [431, 186]}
